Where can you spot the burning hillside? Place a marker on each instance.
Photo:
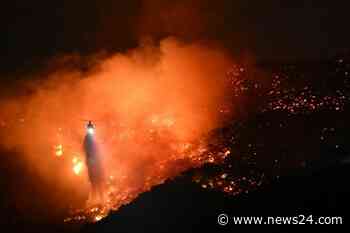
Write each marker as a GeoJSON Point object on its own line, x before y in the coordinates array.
{"type": "Point", "coordinates": [151, 106]}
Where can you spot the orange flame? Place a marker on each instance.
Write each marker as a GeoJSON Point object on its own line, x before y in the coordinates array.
{"type": "Point", "coordinates": [59, 150]}
{"type": "Point", "coordinates": [78, 166]}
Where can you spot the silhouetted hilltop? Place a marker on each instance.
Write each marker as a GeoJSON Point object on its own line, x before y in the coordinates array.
{"type": "Point", "coordinates": [182, 206]}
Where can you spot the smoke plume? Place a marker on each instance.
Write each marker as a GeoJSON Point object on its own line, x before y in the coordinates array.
{"type": "Point", "coordinates": [150, 106]}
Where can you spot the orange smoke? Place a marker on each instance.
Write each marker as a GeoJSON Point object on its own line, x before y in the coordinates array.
{"type": "Point", "coordinates": [150, 106]}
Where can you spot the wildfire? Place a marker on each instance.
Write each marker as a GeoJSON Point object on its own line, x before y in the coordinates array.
{"type": "Point", "coordinates": [150, 118]}
{"type": "Point", "coordinates": [161, 115]}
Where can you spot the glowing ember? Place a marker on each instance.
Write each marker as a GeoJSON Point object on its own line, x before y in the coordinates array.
{"type": "Point", "coordinates": [78, 165]}
{"type": "Point", "coordinates": [98, 218]}
{"type": "Point", "coordinates": [59, 150]}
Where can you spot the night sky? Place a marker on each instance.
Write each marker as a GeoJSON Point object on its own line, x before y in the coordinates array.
{"type": "Point", "coordinates": [291, 30]}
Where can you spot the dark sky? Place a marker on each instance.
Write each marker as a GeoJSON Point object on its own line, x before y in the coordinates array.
{"type": "Point", "coordinates": [268, 29]}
